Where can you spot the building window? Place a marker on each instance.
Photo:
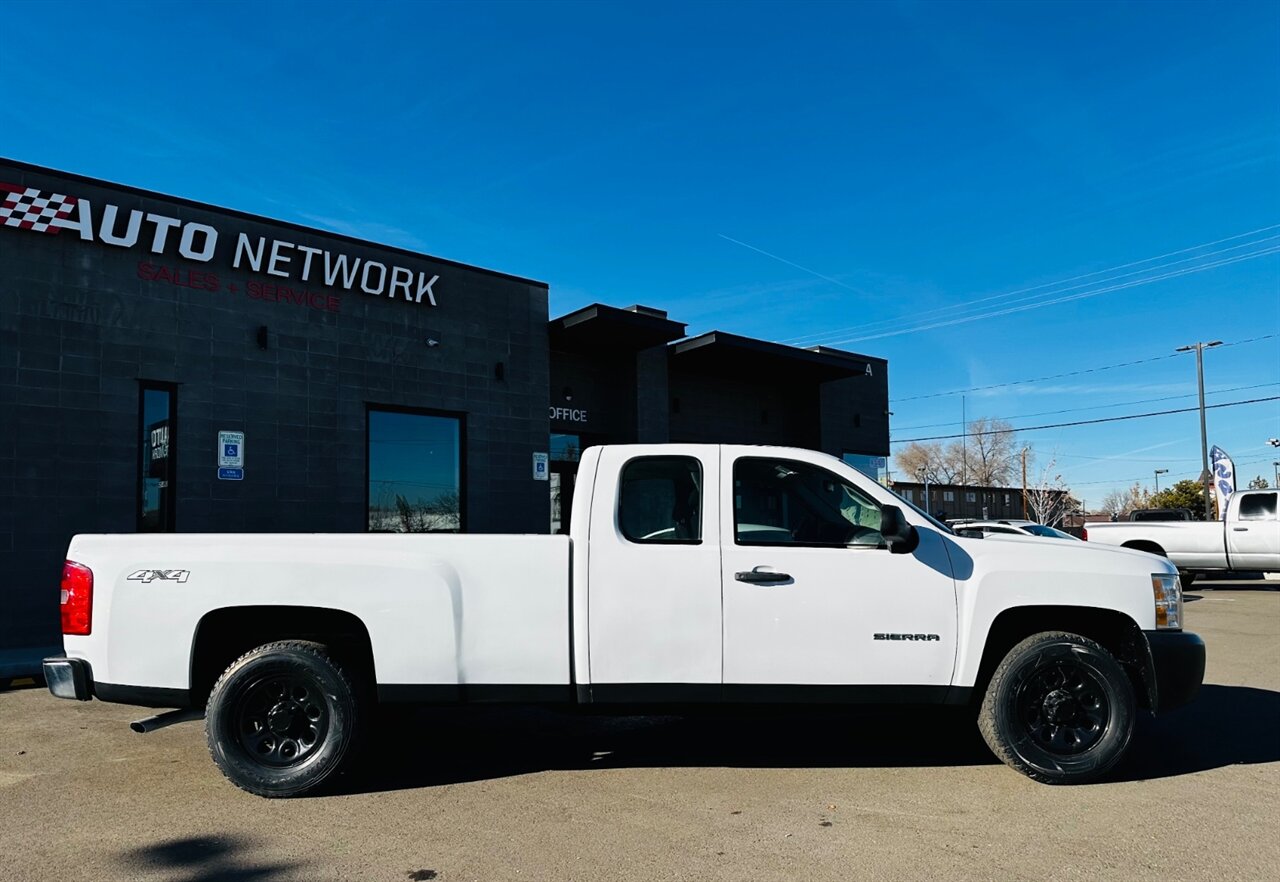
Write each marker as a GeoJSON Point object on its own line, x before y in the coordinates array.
{"type": "Point", "coordinates": [782, 502]}
{"type": "Point", "coordinates": [565, 448]}
{"type": "Point", "coordinates": [970, 497]}
{"type": "Point", "coordinates": [660, 500]}
{"type": "Point", "coordinates": [1006, 499]}
{"type": "Point", "coordinates": [948, 496]}
{"type": "Point", "coordinates": [909, 495]}
{"type": "Point", "coordinates": [157, 462]}
{"type": "Point", "coordinates": [415, 472]}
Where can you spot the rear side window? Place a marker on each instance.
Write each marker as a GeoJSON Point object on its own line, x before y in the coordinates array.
{"type": "Point", "coordinates": [660, 500]}
{"type": "Point", "coordinates": [1258, 507]}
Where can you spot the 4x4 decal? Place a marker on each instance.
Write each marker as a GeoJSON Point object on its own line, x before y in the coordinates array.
{"type": "Point", "coordinates": [162, 575]}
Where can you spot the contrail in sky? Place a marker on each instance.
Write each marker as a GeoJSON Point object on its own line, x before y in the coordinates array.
{"type": "Point", "coordinates": [792, 263]}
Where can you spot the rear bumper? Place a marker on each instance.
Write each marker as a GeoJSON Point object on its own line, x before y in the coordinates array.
{"type": "Point", "coordinates": [69, 677]}
{"type": "Point", "coordinates": [1177, 663]}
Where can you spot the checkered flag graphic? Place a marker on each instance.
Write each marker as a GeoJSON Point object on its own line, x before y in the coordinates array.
{"type": "Point", "coordinates": [32, 209]}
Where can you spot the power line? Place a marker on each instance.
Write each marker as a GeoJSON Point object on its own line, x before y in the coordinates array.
{"type": "Point", "coordinates": [1030, 306]}
{"type": "Point", "coordinates": [1115, 419]}
{"type": "Point", "coordinates": [1023, 416]}
{"type": "Point", "coordinates": [969, 303]}
{"type": "Point", "coordinates": [1076, 373]}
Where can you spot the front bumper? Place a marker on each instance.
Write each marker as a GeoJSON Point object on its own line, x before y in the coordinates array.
{"type": "Point", "coordinates": [1177, 667]}
{"type": "Point", "coordinates": [69, 677]}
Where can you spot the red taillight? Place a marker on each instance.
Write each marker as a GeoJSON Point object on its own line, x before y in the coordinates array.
{"type": "Point", "coordinates": [77, 598]}
{"type": "Point", "coordinates": [1084, 534]}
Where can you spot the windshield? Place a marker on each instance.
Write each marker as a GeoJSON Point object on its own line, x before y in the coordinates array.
{"type": "Point", "coordinates": [1042, 530]}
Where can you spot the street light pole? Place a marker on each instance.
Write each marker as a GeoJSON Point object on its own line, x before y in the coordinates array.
{"type": "Point", "coordinates": [1160, 472]}
{"type": "Point", "coordinates": [1276, 466]}
{"type": "Point", "coordinates": [1199, 349]}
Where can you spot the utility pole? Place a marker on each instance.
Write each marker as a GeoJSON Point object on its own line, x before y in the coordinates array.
{"type": "Point", "coordinates": [964, 443]}
{"type": "Point", "coordinates": [1199, 349]}
{"type": "Point", "coordinates": [1160, 472]}
{"type": "Point", "coordinates": [1276, 466]}
{"type": "Point", "coordinates": [1024, 483]}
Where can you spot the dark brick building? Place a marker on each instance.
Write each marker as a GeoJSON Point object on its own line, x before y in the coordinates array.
{"type": "Point", "coordinates": [170, 365]}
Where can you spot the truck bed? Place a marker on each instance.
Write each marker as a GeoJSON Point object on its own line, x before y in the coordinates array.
{"type": "Point", "coordinates": [442, 610]}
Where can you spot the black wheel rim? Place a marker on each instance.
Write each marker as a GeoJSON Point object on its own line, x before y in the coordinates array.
{"type": "Point", "coordinates": [281, 720]}
{"type": "Point", "coordinates": [1063, 706]}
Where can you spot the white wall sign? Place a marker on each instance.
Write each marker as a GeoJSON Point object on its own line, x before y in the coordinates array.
{"type": "Point", "coordinates": [569, 414]}
{"type": "Point", "coordinates": [540, 466]}
{"type": "Point", "coordinates": [231, 450]}
{"type": "Point", "coordinates": [46, 212]}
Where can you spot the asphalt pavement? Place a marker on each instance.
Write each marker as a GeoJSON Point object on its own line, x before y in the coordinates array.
{"type": "Point", "coordinates": [500, 794]}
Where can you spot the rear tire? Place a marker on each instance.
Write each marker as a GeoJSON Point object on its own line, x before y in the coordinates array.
{"type": "Point", "coordinates": [1059, 709]}
{"type": "Point", "coordinates": [283, 720]}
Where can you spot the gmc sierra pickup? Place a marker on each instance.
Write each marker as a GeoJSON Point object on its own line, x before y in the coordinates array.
{"type": "Point", "coordinates": [692, 575]}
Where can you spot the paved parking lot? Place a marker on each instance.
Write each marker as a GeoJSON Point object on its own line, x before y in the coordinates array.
{"type": "Point", "coordinates": [497, 795]}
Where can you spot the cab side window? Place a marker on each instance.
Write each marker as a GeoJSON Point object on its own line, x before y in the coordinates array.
{"type": "Point", "coordinates": [783, 502]}
{"type": "Point", "coordinates": [1258, 507]}
{"type": "Point", "coordinates": [660, 500]}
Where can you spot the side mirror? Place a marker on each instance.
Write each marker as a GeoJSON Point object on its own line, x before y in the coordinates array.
{"type": "Point", "coordinates": [899, 536]}
{"type": "Point", "coordinates": [970, 534]}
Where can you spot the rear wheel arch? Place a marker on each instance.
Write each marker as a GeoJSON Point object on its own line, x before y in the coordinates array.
{"type": "Point", "coordinates": [223, 635]}
{"type": "Point", "coordinates": [1114, 631]}
{"type": "Point", "coordinates": [1145, 545]}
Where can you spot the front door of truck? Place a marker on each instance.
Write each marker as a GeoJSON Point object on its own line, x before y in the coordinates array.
{"type": "Point", "coordinates": [814, 606]}
{"type": "Point", "coordinates": [654, 575]}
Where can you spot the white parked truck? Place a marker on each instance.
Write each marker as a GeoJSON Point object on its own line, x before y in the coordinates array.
{"type": "Point", "coordinates": [1247, 539]}
{"type": "Point", "coordinates": [693, 575]}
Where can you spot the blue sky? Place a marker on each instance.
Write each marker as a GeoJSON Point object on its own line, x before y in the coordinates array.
{"type": "Point", "coordinates": [814, 172]}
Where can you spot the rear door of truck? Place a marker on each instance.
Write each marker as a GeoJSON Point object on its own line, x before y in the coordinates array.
{"type": "Point", "coordinates": [654, 610]}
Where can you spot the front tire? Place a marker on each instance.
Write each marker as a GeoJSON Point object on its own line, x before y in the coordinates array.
{"type": "Point", "coordinates": [1059, 709]}
{"type": "Point", "coordinates": [282, 720]}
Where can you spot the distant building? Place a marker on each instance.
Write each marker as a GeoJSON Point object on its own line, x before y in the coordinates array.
{"type": "Point", "coordinates": [961, 501]}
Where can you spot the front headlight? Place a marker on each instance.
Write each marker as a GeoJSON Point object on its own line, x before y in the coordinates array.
{"type": "Point", "coordinates": [1168, 595]}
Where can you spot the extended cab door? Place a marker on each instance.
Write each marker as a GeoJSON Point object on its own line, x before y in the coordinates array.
{"type": "Point", "coordinates": [654, 575]}
{"type": "Point", "coordinates": [812, 598]}
{"type": "Point", "coordinates": [1253, 532]}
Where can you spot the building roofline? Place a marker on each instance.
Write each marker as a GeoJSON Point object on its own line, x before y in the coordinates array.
{"type": "Point", "coordinates": [258, 218]}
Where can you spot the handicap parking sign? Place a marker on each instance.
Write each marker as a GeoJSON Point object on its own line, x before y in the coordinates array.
{"type": "Point", "coordinates": [230, 455]}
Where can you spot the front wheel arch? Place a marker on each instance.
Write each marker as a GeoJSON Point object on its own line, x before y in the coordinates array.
{"type": "Point", "coordinates": [1114, 631]}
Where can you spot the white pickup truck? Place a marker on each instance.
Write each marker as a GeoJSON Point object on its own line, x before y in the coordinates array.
{"type": "Point", "coordinates": [693, 575]}
{"type": "Point", "coordinates": [1247, 539]}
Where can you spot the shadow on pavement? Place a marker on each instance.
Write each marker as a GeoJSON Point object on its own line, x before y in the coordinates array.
{"type": "Point", "coordinates": [1224, 726]}
{"type": "Point", "coordinates": [205, 859]}
{"type": "Point", "coordinates": [429, 747]}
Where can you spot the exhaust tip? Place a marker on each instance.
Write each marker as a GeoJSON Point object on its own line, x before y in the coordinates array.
{"type": "Point", "coordinates": [138, 726]}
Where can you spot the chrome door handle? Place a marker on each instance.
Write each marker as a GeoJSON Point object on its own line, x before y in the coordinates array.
{"type": "Point", "coordinates": [759, 576]}
{"type": "Point", "coordinates": [1240, 529]}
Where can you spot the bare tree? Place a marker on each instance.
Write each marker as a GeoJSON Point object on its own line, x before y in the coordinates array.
{"type": "Point", "coordinates": [932, 461]}
{"type": "Point", "coordinates": [1048, 499]}
{"type": "Point", "coordinates": [993, 450]}
{"type": "Point", "coordinates": [1121, 502]}
{"type": "Point", "coordinates": [989, 458]}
